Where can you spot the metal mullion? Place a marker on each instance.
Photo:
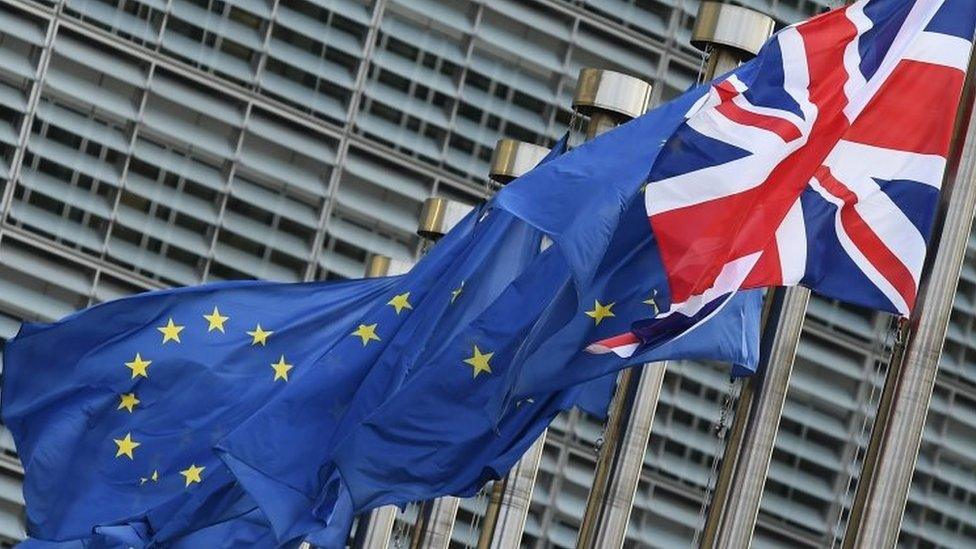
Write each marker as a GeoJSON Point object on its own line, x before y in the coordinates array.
{"type": "Point", "coordinates": [136, 123]}
{"type": "Point", "coordinates": [567, 56]}
{"type": "Point", "coordinates": [218, 37]}
{"type": "Point", "coordinates": [459, 90]}
{"type": "Point", "coordinates": [240, 93]}
{"type": "Point", "coordinates": [228, 183]}
{"type": "Point", "coordinates": [275, 217]}
{"type": "Point", "coordinates": [266, 45]}
{"type": "Point", "coordinates": [86, 216]}
{"type": "Point", "coordinates": [30, 112]}
{"type": "Point", "coordinates": [345, 139]}
{"type": "Point", "coordinates": [72, 182]}
{"type": "Point", "coordinates": [162, 26]}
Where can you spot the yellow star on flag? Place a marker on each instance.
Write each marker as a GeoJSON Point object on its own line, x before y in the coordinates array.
{"type": "Point", "coordinates": [127, 401]}
{"type": "Point", "coordinates": [192, 474]}
{"type": "Point", "coordinates": [259, 336]}
{"type": "Point", "coordinates": [171, 332]}
{"type": "Point", "coordinates": [154, 477]}
{"type": "Point", "coordinates": [600, 312]}
{"type": "Point", "coordinates": [401, 302]}
{"type": "Point", "coordinates": [456, 292]}
{"type": "Point", "coordinates": [366, 332]}
{"type": "Point", "coordinates": [479, 362]}
{"type": "Point", "coordinates": [126, 445]}
{"type": "Point", "coordinates": [652, 302]}
{"type": "Point", "coordinates": [281, 369]}
{"type": "Point", "coordinates": [216, 320]}
{"type": "Point", "coordinates": [139, 366]}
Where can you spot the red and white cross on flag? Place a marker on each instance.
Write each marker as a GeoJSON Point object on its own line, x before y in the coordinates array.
{"type": "Point", "coordinates": [819, 162]}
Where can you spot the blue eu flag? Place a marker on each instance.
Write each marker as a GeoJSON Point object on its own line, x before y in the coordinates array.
{"type": "Point", "coordinates": [116, 409]}
{"type": "Point", "coordinates": [477, 262]}
{"type": "Point", "coordinates": [163, 377]}
{"type": "Point", "coordinates": [439, 414]}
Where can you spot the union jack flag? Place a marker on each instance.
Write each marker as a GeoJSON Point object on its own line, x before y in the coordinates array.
{"type": "Point", "coordinates": [818, 163]}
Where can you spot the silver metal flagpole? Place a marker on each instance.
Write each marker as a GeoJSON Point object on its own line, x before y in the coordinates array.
{"type": "Point", "coordinates": [732, 34]}
{"type": "Point", "coordinates": [436, 218]}
{"type": "Point", "coordinates": [506, 530]}
{"type": "Point", "coordinates": [729, 35]}
{"type": "Point", "coordinates": [375, 529]}
{"type": "Point", "coordinates": [609, 99]}
{"type": "Point", "coordinates": [511, 159]}
{"type": "Point", "coordinates": [882, 491]}
{"type": "Point", "coordinates": [733, 31]}
{"type": "Point", "coordinates": [738, 491]}
{"type": "Point", "coordinates": [435, 519]}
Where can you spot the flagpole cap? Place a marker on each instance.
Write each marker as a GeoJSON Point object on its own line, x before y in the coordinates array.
{"type": "Point", "coordinates": [610, 91]}
{"type": "Point", "coordinates": [513, 158]}
{"type": "Point", "coordinates": [736, 27]}
{"type": "Point", "coordinates": [439, 216]}
{"type": "Point", "coordinates": [378, 266]}
{"type": "Point", "coordinates": [382, 265]}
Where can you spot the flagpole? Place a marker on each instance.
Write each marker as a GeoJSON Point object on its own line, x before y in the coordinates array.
{"type": "Point", "coordinates": [435, 518]}
{"type": "Point", "coordinates": [635, 402]}
{"type": "Point", "coordinates": [732, 34]}
{"type": "Point", "coordinates": [375, 529]}
{"type": "Point", "coordinates": [506, 529]}
{"type": "Point", "coordinates": [437, 217]}
{"type": "Point", "coordinates": [510, 159]}
{"type": "Point", "coordinates": [609, 99]}
{"type": "Point", "coordinates": [882, 492]}
{"type": "Point", "coordinates": [734, 508]}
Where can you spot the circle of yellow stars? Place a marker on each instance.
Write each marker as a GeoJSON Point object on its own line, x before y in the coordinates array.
{"type": "Point", "coordinates": [126, 446]}
{"type": "Point", "coordinates": [479, 361]}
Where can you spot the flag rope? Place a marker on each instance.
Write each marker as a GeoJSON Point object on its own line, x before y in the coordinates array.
{"type": "Point", "coordinates": [721, 429]}
{"type": "Point", "coordinates": [481, 499]}
{"type": "Point", "coordinates": [895, 335]}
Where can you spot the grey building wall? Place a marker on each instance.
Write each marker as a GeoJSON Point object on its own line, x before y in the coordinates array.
{"type": "Point", "coordinates": [151, 143]}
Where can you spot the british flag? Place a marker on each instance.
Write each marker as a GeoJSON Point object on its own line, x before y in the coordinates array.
{"type": "Point", "coordinates": [818, 163]}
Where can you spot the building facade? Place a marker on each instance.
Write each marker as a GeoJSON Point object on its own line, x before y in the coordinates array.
{"type": "Point", "coordinates": [153, 143]}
